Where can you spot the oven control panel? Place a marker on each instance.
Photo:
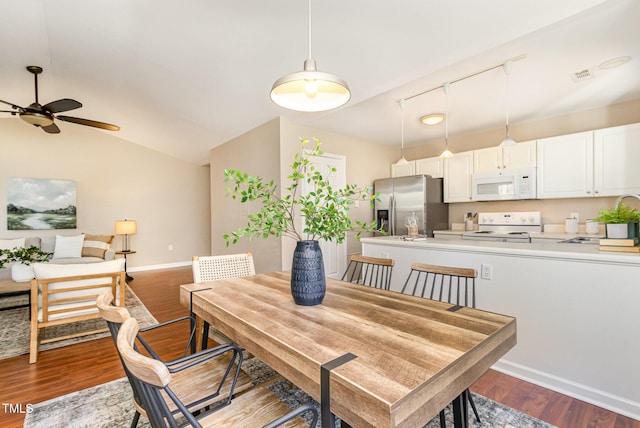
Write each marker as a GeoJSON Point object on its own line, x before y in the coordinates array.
{"type": "Point", "coordinates": [527, 218]}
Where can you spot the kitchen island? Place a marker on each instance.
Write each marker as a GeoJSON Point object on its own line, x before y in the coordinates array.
{"type": "Point", "coordinates": [576, 308]}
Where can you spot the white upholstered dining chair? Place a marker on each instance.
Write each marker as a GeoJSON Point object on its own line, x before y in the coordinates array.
{"type": "Point", "coordinates": [213, 268]}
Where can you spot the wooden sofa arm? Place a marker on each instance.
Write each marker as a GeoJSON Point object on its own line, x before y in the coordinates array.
{"type": "Point", "coordinates": [69, 299]}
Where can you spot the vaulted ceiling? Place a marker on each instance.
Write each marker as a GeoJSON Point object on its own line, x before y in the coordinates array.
{"type": "Point", "coordinates": [183, 77]}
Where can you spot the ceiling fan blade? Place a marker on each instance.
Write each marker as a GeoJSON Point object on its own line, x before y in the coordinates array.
{"type": "Point", "coordinates": [51, 129]}
{"type": "Point", "coordinates": [12, 105]}
{"type": "Point", "coordinates": [87, 122]}
{"type": "Point", "coordinates": [9, 111]}
{"type": "Point", "coordinates": [64, 104]}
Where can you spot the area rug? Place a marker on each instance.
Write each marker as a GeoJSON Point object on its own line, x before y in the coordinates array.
{"type": "Point", "coordinates": [109, 405]}
{"type": "Point", "coordinates": [15, 326]}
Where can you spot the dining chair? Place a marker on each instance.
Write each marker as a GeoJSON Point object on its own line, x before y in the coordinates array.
{"type": "Point", "coordinates": [447, 284]}
{"type": "Point", "coordinates": [213, 268]}
{"type": "Point", "coordinates": [200, 379]}
{"type": "Point", "coordinates": [371, 271]}
{"type": "Point", "coordinates": [257, 407]}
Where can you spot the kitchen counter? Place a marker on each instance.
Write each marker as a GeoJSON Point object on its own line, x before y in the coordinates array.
{"type": "Point", "coordinates": [576, 309]}
{"type": "Point", "coordinates": [547, 247]}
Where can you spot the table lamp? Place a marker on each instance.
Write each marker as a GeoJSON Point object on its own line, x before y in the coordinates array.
{"type": "Point", "coordinates": [126, 227]}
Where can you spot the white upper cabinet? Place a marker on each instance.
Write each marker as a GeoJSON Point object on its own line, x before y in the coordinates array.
{"type": "Point", "coordinates": [430, 166]}
{"type": "Point", "coordinates": [457, 177]}
{"type": "Point", "coordinates": [616, 156]}
{"type": "Point", "coordinates": [492, 159]}
{"type": "Point", "coordinates": [603, 162]}
{"type": "Point", "coordinates": [402, 170]}
{"type": "Point", "coordinates": [565, 166]}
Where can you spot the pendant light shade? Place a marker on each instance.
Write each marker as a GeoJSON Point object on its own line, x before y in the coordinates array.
{"type": "Point", "coordinates": [508, 141]}
{"type": "Point", "coordinates": [310, 90]}
{"type": "Point", "coordinates": [446, 153]}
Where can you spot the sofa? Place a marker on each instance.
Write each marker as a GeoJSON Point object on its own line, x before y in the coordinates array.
{"type": "Point", "coordinates": [72, 249]}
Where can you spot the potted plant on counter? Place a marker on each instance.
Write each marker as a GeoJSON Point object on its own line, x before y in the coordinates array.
{"type": "Point", "coordinates": [324, 210]}
{"type": "Point", "coordinates": [21, 270]}
{"type": "Point", "coordinates": [621, 222]}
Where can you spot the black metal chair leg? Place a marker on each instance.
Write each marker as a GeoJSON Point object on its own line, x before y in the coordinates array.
{"type": "Point", "coordinates": [136, 418]}
{"type": "Point", "coordinates": [473, 405]}
{"type": "Point", "coordinates": [443, 421]}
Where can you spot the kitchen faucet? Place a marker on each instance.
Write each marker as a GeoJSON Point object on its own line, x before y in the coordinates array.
{"type": "Point", "coordinates": [619, 200]}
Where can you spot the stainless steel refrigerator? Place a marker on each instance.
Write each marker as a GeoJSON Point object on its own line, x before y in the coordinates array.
{"type": "Point", "coordinates": [400, 197]}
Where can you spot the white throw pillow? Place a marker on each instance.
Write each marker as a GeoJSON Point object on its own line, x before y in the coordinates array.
{"type": "Point", "coordinates": [68, 246]}
{"type": "Point", "coordinates": [9, 244]}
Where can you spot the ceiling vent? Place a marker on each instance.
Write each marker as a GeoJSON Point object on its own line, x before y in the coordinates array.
{"type": "Point", "coordinates": [581, 76]}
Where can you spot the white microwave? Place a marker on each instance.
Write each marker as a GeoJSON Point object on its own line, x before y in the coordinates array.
{"type": "Point", "coordinates": [503, 185]}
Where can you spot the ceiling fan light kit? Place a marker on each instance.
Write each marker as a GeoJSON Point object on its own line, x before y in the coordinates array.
{"type": "Point", "coordinates": [42, 116]}
{"type": "Point", "coordinates": [310, 90]}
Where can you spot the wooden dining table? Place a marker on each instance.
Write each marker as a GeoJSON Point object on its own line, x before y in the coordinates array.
{"type": "Point", "coordinates": [389, 359]}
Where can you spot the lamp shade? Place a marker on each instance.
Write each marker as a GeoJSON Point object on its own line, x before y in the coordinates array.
{"type": "Point", "coordinates": [126, 227]}
{"type": "Point", "coordinates": [310, 90]}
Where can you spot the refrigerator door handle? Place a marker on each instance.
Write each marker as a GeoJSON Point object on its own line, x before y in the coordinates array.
{"type": "Point", "coordinates": [392, 215]}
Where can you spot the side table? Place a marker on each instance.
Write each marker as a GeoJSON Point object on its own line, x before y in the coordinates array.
{"type": "Point", "coordinates": [125, 254]}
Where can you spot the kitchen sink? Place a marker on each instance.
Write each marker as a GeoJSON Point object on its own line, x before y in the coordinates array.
{"type": "Point", "coordinates": [581, 240]}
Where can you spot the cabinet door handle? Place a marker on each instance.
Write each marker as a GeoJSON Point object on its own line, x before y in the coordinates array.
{"type": "Point", "coordinates": [588, 192]}
{"type": "Point", "coordinates": [596, 192]}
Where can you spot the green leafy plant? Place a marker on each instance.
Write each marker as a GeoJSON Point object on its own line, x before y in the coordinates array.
{"type": "Point", "coordinates": [324, 208]}
{"type": "Point", "coordinates": [624, 214]}
{"type": "Point", "coordinates": [25, 256]}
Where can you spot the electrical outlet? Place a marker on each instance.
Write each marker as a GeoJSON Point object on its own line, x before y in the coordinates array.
{"type": "Point", "coordinates": [170, 247]}
{"type": "Point", "coordinates": [486, 271]}
{"type": "Point", "coordinates": [385, 255]}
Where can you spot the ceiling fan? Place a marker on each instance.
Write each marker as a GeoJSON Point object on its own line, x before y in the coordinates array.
{"type": "Point", "coordinates": [42, 116]}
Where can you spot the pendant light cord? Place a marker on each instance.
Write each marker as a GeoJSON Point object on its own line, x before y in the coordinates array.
{"type": "Point", "coordinates": [507, 71]}
{"type": "Point", "coordinates": [310, 29]}
{"type": "Point", "coordinates": [445, 88]}
{"type": "Point", "coordinates": [401, 103]}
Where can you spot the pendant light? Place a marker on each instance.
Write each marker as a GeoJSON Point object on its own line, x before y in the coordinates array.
{"type": "Point", "coordinates": [402, 160]}
{"type": "Point", "coordinates": [310, 90]}
{"type": "Point", "coordinates": [508, 141]}
{"type": "Point", "coordinates": [446, 153]}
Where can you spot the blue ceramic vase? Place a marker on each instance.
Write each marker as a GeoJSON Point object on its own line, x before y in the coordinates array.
{"type": "Point", "coordinates": [308, 283]}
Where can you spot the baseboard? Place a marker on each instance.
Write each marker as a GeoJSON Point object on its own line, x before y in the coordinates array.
{"type": "Point", "coordinates": [162, 266]}
{"type": "Point", "coordinates": [579, 391]}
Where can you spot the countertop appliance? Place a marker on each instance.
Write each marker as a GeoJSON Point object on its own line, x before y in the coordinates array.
{"type": "Point", "coordinates": [401, 197]}
{"type": "Point", "coordinates": [504, 184]}
{"type": "Point", "coordinates": [506, 226]}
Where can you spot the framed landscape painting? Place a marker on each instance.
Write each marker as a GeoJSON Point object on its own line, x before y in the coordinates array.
{"type": "Point", "coordinates": [34, 203]}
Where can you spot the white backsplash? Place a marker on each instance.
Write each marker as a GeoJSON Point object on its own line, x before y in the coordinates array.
{"type": "Point", "coordinates": [554, 211]}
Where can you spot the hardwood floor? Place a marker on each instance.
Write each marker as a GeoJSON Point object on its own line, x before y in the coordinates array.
{"type": "Point", "coordinates": [64, 370]}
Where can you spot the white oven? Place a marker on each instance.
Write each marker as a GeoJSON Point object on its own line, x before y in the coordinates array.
{"type": "Point", "coordinates": [504, 185]}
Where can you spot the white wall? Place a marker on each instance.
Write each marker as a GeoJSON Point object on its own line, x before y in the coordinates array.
{"type": "Point", "coordinates": [115, 179]}
{"type": "Point", "coordinates": [268, 151]}
{"type": "Point", "coordinates": [257, 153]}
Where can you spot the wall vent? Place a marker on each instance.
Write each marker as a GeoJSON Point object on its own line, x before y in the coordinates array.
{"type": "Point", "coordinates": [581, 76]}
